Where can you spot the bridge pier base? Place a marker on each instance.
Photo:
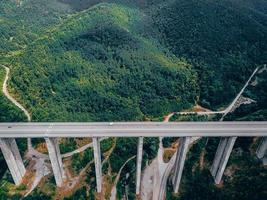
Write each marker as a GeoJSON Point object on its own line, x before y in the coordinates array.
{"type": "Point", "coordinates": [13, 159]}
{"type": "Point", "coordinates": [56, 160]}
{"type": "Point", "coordinates": [139, 164]}
{"type": "Point", "coordinates": [221, 157]}
{"type": "Point", "coordinates": [179, 162]}
{"type": "Point", "coordinates": [98, 163]}
{"type": "Point", "coordinates": [262, 151]}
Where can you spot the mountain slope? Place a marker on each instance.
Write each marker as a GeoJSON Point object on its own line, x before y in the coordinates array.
{"type": "Point", "coordinates": [224, 40]}
{"type": "Point", "coordinates": [97, 66]}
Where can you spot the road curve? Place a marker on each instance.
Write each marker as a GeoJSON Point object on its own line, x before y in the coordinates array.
{"type": "Point", "coordinates": [224, 112]}
{"type": "Point", "coordinates": [13, 100]}
{"type": "Point", "coordinates": [81, 149]}
{"type": "Point", "coordinates": [114, 188]}
{"type": "Point", "coordinates": [230, 107]}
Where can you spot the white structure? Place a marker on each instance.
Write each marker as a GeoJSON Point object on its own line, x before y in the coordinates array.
{"type": "Point", "coordinates": [221, 158]}
{"type": "Point", "coordinates": [186, 130]}
{"type": "Point", "coordinates": [179, 162]}
{"type": "Point", "coordinates": [262, 150]}
{"type": "Point", "coordinates": [13, 159]}
{"type": "Point", "coordinates": [56, 160]}
{"type": "Point", "coordinates": [139, 164]}
{"type": "Point", "coordinates": [98, 163]}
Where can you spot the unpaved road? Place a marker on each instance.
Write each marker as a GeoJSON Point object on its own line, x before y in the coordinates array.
{"type": "Point", "coordinates": [158, 166]}
{"type": "Point", "coordinates": [153, 173]}
{"type": "Point", "coordinates": [164, 178]}
{"type": "Point", "coordinates": [230, 107]}
{"type": "Point", "coordinates": [81, 149]}
{"type": "Point", "coordinates": [114, 188]}
{"type": "Point", "coordinates": [13, 100]}
{"type": "Point", "coordinates": [40, 167]}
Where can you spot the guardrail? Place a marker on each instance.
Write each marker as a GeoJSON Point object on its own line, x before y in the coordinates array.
{"type": "Point", "coordinates": [228, 131]}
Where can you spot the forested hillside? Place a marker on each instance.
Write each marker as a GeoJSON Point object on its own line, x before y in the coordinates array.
{"type": "Point", "coordinates": [224, 41]}
{"type": "Point", "coordinates": [134, 60]}
{"type": "Point", "coordinates": [147, 58]}
{"type": "Point", "coordinates": [100, 67]}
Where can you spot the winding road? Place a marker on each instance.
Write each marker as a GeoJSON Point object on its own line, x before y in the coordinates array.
{"type": "Point", "coordinates": [229, 108]}
{"type": "Point", "coordinates": [114, 188]}
{"type": "Point", "coordinates": [166, 174]}
{"type": "Point", "coordinates": [38, 158]}
{"type": "Point", "coordinates": [13, 100]}
{"type": "Point", "coordinates": [165, 168]}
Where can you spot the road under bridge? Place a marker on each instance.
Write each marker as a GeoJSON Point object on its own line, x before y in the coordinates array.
{"type": "Point", "coordinates": [227, 131]}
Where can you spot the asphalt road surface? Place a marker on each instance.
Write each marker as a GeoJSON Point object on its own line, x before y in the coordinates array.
{"type": "Point", "coordinates": [133, 129]}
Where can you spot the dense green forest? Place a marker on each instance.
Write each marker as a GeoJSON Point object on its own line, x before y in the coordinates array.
{"type": "Point", "coordinates": [223, 40]}
{"type": "Point", "coordinates": [129, 60]}
{"type": "Point", "coordinates": [8, 113]}
{"type": "Point", "coordinates": [110, 72]}
{"type": "Point", "coordinates": [136, 60]}
{"type": "Point", "coordinates": [245, 176]}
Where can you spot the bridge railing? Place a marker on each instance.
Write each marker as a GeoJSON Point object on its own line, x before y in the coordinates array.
{"type": "Point", "coordinates": [228, 131]}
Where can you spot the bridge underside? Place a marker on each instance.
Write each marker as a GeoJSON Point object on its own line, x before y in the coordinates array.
{"type": "Point", "coordinates": [183, 130]}
{"type": "Point", "coordinates": [221, 158]}
{"type": "Point", "coordinates": [262, 151]}
{"type": "Point", "coordinates": [56, 160]}
{"type": "Point", "coordinates": [13, 159]}
{"type": "Point", "coordinates": [179, 162]}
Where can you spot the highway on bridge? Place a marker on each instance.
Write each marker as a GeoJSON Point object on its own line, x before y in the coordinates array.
{"type": "Point", "coordinates": [133, 129]}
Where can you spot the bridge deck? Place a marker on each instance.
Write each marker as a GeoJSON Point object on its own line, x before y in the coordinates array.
{"type": "Point", "coordinates": [133, 129]}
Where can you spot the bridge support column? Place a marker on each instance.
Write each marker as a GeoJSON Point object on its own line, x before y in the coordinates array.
{"type": "Point", "coordinates": [13, 159]}
{"type": "Point", "coordinates": [98, 163]}
{"type": "Point", "coordinates": [139, 164]}
{"type": "Point", "coordinates": [179, 162]}
{"type": "Point", "coordinates": [262, 151]}
{"type": "Point", "coordinates": [56, 160]}
{"type": "Point", "coordinates": [221, 158]}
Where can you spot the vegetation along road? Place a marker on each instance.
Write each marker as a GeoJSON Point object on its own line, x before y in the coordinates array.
{"type": "Point", "coordinates": [12, 99]}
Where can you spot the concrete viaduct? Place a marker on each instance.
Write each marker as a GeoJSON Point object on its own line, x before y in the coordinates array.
{"type": "Point", "coordinates": [228, 131]}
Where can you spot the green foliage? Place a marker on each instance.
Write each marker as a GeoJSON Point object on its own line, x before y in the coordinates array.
{"type": "Point", "coordinates": [150, 148]}
{"type": "Point", "coordinates": [125, 148]}
{"type": "Point", "coordinates": [68, 145]}
{"type": "Point", "coordinates": [81, 194]}
{"type": "Point", "coordinates": [8, 111]}
{"type": "Point", "coordinates": [130, 76]}
{"type": "Point", "coordinates": [246, 182]}
{"type": "Point", "coordinates": [191, 117]}
{"type": "Point", "coordinates": [127, 181]}
{"type": "Point", "coordinates": [256, 111]}
{"type": "Point", "coordinates": [106, 144]}
{"type": "Point", "coordinates": [222, 39]}
{"type": "Point", "coordinates": [126, 60]}
{"type": "Point", "coordinates": [3, 165]}
{"type": "Point", "coordinates": [79, 161]}
{"type": "Point", "coordinates": [37, 195]}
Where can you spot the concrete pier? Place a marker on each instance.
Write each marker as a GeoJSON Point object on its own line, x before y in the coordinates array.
{"type": "Point", "coordinates": [98, 163]}
{"type": "Point", "coordinates": [262, 150]}
{"type": "Point", "coordinates": [179, 162]}
{"type": "Point", "coordinates": [186, 131]}
{"type": "Point", "coordinates": [221, 157]}
{"type": "Point", "coordinates": [139, 164]}
{"type": "Point", "coordinates": [13, 159]}
{"type": "Point", "coordinates": [56, 160]}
